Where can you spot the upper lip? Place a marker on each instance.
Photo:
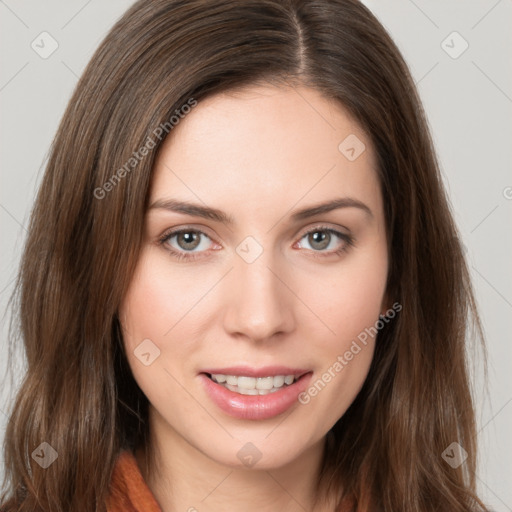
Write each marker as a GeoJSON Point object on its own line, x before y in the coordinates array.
{"type": "Point", "coordinates": [264, 371]}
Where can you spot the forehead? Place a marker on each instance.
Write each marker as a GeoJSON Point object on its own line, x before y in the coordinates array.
{"type": "Point", "coordinates": [262, 144]}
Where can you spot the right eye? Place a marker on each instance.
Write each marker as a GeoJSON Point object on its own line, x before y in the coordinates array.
{"type": "Point", "coordinates": [183, 242]}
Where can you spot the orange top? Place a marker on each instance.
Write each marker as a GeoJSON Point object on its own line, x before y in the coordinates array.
{"type": "Point", "coordinates": [128, 490]}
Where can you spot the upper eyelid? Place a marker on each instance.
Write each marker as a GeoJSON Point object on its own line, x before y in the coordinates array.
{"type": "Point", "coordinates": [175, 231]}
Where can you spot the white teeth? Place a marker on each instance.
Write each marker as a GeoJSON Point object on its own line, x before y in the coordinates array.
{"type": "Point", "coordinates": [247, 382]}
{"type": "Point", "coordinates": [247, 391]}
{"type": "Point", "coordinates": [253, 385]}
{"type": "Point", "coordinates": [232, 380]}
{"type": "Point", "coordinates": [242, 391]}
{"type": "Point", "coordinates": [279, 381]}
{"type": "Point", "coordinates": [265, 383]}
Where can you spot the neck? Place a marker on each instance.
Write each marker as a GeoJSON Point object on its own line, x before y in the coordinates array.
{"type": "Point", "coordinates": [182, 478]}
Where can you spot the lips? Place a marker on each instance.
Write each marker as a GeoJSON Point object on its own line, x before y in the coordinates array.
{"type": "Point", "coordinates": [255, 406]}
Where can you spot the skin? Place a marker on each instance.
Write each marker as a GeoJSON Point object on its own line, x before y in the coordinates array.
{"type": "Point", "coordinates": [259, 154]}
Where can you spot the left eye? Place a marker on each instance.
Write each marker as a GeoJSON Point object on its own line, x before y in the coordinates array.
{"type": "Point", "coordinates": [324, 238]}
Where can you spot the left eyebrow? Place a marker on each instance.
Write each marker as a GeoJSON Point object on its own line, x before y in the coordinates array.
{"type": "Point", "coordinates": [342, 202]}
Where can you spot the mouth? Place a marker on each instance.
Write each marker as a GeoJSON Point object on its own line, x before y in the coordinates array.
{"type": "Point", "coordinates": [255, 394]}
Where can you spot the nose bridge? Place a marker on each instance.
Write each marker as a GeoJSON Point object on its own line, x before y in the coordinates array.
{"type": "Point", "coordinates": [259, 304]}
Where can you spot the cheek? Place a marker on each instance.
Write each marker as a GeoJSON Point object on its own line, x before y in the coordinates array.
{"type": "Point", "coordinates": [149, 314]}
{"type": "Point", "coordinates": [332, 390]}
{"type": "Point", "coordinates": [351, 296]}
{"type": "Point", "coordinates": [154, 303]}
{"type": "Point", "coordinates": [345, 356]}
{"type": "Point", "coordinates": [350, 306]}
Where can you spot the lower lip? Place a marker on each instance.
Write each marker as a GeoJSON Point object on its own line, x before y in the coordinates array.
{"type": "Point", "coordinates": [255, 407]}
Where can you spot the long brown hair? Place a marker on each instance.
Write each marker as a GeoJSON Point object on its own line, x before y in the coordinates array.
{"type": "Point", "coordinates": [78, 394]}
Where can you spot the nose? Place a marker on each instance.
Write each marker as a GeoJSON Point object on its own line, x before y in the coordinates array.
{"type": "Point", "coordinates": [259, 305]}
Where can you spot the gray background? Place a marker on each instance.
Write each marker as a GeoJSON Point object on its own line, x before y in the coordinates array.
{"type": "Point", "coordinates": [468, 100]}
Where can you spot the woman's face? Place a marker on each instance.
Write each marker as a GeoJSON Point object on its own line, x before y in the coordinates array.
{"type": "Point", "coordinates": [270, 296]}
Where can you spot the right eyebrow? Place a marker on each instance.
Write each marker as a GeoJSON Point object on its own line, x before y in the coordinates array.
{"type": "Point", "coordinates": [195, 210]}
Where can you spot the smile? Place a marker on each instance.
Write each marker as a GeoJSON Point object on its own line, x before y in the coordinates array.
{"type": "Point", "coordinates": [252, 394]}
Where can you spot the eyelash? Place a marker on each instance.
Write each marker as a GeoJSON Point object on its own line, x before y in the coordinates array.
{"type": "Point", "coordinates": [190, 256]}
